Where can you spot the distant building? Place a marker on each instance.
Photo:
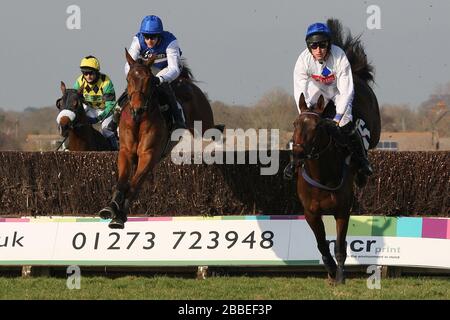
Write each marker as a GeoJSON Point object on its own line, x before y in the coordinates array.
{"type": "Point", "coordinates": [43, 142]}
{"type": "Point", "coordinates": [412, 141]}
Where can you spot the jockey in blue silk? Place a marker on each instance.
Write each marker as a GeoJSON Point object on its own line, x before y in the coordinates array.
{"type": "Point", "coordinates": [323, 69]}
{"type": "Point", "coordinates": [153, 40]}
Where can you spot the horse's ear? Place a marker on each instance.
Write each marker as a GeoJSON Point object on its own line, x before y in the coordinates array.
{"type": "Point", "coordinates": [302, 103]}
{"type": "Point", "coordinates": [63, 88]}
{"type": "Point", "coordinates": [130, 59]}
{"type": "Point", "coordinates": [320, 105]}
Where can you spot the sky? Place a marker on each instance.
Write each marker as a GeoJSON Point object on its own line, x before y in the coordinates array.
{"type": "Point", "coordinates": [238, 49]}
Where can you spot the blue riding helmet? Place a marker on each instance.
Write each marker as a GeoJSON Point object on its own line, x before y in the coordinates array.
{"type": "Point", "coordinates": [151, 25]}
{"type": "Point", "coordinates": [319, 29]}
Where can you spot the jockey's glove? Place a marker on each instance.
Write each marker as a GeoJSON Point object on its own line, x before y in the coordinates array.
{"type": "Point", "coordinates": [337, 118]}
{"type": "Point", "coordinates": [93, 120]}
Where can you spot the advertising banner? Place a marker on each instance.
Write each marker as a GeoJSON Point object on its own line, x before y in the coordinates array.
{"type": "Point", "coordinates": [224, 241]}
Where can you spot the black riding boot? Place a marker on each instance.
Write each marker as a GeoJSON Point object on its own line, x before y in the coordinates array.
{"type": "Point", "coordinates": [176, 112]}
{"type": "Point", "coordinates": [356, 145]}
{"type": "Point", "coordinates": [289, 171]}
{"type": "Point", "coordinates": [113, 143]}
{"type": "Point", "coordinates": [118, 108]}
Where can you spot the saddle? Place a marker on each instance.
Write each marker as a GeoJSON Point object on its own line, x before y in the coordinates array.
{"type": "Point", "coordinates": [360, 120]}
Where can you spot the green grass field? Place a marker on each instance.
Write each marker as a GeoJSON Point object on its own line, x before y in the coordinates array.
{"type": "Point", "coordinates": [162, 287]}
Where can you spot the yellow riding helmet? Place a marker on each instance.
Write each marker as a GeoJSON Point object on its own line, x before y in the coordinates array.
{"type": "Point", "coordinates": [90, 62]}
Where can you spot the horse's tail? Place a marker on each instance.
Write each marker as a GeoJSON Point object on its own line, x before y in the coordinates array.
{"type": "Point", "coordinates": [354, 50]}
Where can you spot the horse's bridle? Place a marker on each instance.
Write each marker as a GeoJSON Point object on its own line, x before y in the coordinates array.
{"type": "Point", "coordinates": [311, 155]}
{"type": "Point", "coordinates": [136, 114]}
{"type": "Point", "coordinates": [74, 124]}
{"type": "Point", "coordinates": [139, 112]}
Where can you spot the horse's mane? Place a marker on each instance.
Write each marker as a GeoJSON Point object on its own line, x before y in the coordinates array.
{"type": "Point", "coordinates": [354, 50]}
{"type": "Point", "coordinates": [186, 71]}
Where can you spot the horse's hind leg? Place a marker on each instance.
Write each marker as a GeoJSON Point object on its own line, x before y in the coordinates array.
{"type": "Point", "coordinates": [317, 226]}
{"type": "Point", "coordinates": [340, 250]}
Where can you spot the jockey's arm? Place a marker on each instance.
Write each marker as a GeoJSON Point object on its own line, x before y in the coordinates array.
{"type": "Point", "coordinates": [109, 96]}
{"type": "Point", "coordinates": [76, 85]}
{"type": "Point", "coordinates": [344, 82]}
{"type": "Point", "coordinates": [172, 71]}
{"type": "Point", "coordinates": [134, 51]}
{"type": "Point", "coordinates": [300, 81]}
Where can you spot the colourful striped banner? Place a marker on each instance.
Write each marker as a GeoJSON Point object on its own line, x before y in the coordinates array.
{"type": "Point", "coordinates": [409, 227]}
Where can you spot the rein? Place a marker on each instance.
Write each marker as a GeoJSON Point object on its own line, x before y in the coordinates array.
{"type": "Point", "coordinates": [317, 184]}
{"type": "Point", "coordinates": [57, 149]}
{"type": "Point", "coordinates": [300, 161]}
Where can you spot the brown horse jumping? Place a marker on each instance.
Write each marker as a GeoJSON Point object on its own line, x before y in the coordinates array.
{"type": "Point", "coordinates": [73, 123]}
{"type": "Point", "coordinates": [144, 133]}
{"type": "Point", "coordinates": [325, 172]}
{"type": "Point", "coordinates": [324, 182]}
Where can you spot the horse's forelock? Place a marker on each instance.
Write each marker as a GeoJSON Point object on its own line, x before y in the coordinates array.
{"type": "Point", "coordinates": [137, 69]}
{"type": "Point", "coordinates": [72, 94]}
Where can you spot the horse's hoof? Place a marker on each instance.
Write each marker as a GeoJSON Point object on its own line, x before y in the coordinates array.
{"type": "Point", "coordinates": [331, 280]}
{"type": "Point", "coordinates": [116, 223]}
{"type": "Point", "coordinates": [106, 213]}
{"type": "Point", "coordinates": [330, 266]}
{"type": "Point", "coordinates": [340, 276]}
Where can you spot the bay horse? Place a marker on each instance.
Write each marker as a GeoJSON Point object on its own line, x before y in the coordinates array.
{"type": "Point", "coordinates": [74, 125]}
{"type": "Point", "coordinates": [144, 133]}
{"type": "Point", "coordinates": [325, 172]}
{"type": "Point", "coordinates": [324, 182]}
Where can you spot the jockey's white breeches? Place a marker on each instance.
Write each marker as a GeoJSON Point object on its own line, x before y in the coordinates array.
{"type": "Point", "coordinates": [313, 93]}
{"type": "Point", "coordinates": [93, 113]}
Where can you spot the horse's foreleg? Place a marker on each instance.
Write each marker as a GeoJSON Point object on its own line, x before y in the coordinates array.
{"type": "Point", "coordinates": [115, 209]}
{"type": "Point", "coordinates": [124, 168]}
{"type": "Point", "coordinates": [147, 162]}
{"type": "Point", "coordinates": [317, 226]}
{"type": "Point", "coordinates": [340, 250]}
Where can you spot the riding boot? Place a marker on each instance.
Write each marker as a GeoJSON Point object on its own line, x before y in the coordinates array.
{"type": "Point", "coordinates": [356, 146]}
{"type": "Point", "coordinates": [119, 105]}
{"type": "Point", "coordinates": [289, 171]}
{"type": "Point", "coordinates": [175, 108]}
{"type": "Point", "coordinates": [113, 142]}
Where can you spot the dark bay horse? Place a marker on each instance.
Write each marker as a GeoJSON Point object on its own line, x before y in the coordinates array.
{"type": "Point", "coordinates": [73, 123]}
{"type": "Point", "coordinates": [324, 182]}
{"type": "Point", "coordinates": [325, 172]}
{"type": "Point", "coordinates": [144, 133]}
